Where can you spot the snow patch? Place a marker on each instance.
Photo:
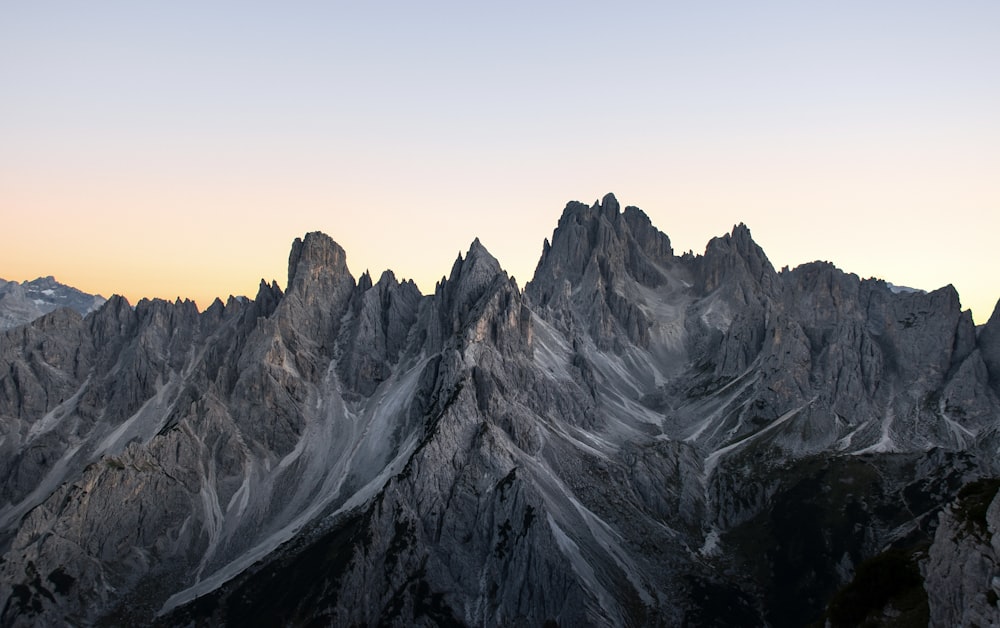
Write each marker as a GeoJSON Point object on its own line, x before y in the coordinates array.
{"type": "Point", "coordinates": [903, 289]}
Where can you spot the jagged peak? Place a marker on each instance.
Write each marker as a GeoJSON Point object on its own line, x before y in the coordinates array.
{"type": "Point", "coordinates": [479, 258]}
{"type": "Point", "coordinates": [116, 303]}
{"type": "Point", "coordinates": [364, 281]}
{"type": "Point", "coordinates": [648, 236]}
{"type": "Point", "coordinates": [386, 281]}
{"type": "Point", "coordinates": [814, 268]}
{"type": "Point", "coordinates": [115, 314]}
{"type": "Point", "coordinates": [479, 254]}
{"type": "Point", "coordinates": [946, 295]}
{"type": "Point", "coordinates": [157, 307]}
{"type": "Point", "coordinates": [470, 276]}
{"type": "Point", "coordinates": [608, 206]}
{"type": "Point", "coordinates": [266, 288]}
{"type": "Point", "coordinates": [575, 211]}
{"type": "Point", "coordinates": [268, 295]}
{"type": "Point", "coordinates": [388, 278]}
{"type": "Point", "coordinates": [47, 281]}
{"type": "Point", "coordinates": [739, 240]}
{"type": "Point", "coordinates": [597, 236]}
{"type": "Point", "coordinates": [315, 254]}
{"type": "Point", "coordinates": [737, 250]}
{"type": "Point", "coordinates": [636, 214]}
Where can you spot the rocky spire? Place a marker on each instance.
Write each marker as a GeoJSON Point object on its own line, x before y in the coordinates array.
{"type": "Point", "coordinates": [470, 278]}
{"type": "Point", "coordinates": [319, 290]}
{"type": "Point", "coordinates": [601, 239]}
{"type": "Point", "coordinates": [736, 259]}
{"type": "Point", "coordinates": [380, 321]}
{"type": "Point", "coordinates": [315, 257]}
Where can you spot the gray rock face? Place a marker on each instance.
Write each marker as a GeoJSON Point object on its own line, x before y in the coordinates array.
{"type": "Point", "coordinates": [962, 572]}
{"type": "Point", "coordinates": [22, 303]}
{"type": "Point", "coordinates": [989, 345]}
{"type": "Point", "coordinates": [637, 438]}
{"type": "Point", "coordinates": [378, 329]}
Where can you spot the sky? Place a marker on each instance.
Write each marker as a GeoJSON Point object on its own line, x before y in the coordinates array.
{"type": "Point", "coordinates": [165, 149]}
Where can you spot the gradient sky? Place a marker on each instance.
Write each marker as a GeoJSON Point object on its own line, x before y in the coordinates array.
{"type": "Point", "coordinates": [164, 149]}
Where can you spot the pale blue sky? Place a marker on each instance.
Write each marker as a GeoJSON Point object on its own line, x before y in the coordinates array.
{"type": "Point", "coordinates": [195, 140]}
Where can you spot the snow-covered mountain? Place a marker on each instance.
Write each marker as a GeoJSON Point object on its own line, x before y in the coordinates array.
{"type": "Point", "coordinates": [635, 438]}
{"type": "Point", "coordinates": [23, 302]}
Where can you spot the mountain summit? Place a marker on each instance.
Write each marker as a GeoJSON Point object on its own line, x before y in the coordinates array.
{"type": "Point", "coordinates": [636, 438]}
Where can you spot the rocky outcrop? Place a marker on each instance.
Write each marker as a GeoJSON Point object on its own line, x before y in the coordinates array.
{"type": "Point", "coordinates": [962, 570]}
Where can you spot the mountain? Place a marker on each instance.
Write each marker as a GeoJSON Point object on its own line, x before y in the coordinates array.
{"type": "Point", "coordinates": [22, 303]}
{"type": "Point", "coordinates": [635, 438]}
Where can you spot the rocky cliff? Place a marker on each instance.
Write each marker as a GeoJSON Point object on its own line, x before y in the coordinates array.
{"type": "Point", "coordinates": [962, 573]}
{"type": "Point", "coordinates": [635, 438]}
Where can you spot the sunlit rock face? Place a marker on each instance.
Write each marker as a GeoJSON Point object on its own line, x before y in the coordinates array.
{"type": "Point", "coordinates": [635, 438]}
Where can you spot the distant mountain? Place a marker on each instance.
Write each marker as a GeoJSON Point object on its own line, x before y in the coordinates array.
{"type": "Point", "coordinates": [636, 438]}
{"type": "Point", "coordinates": [22, 303]}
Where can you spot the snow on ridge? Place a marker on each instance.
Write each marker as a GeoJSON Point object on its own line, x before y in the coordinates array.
{"type": "Point", "coordinates": [903, 289]}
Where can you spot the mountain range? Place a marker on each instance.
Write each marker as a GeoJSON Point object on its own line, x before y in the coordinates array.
{"type": "Point", "coordinates": [634, 438]}
{"type": "Point", "coordinates": [23, 302]}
